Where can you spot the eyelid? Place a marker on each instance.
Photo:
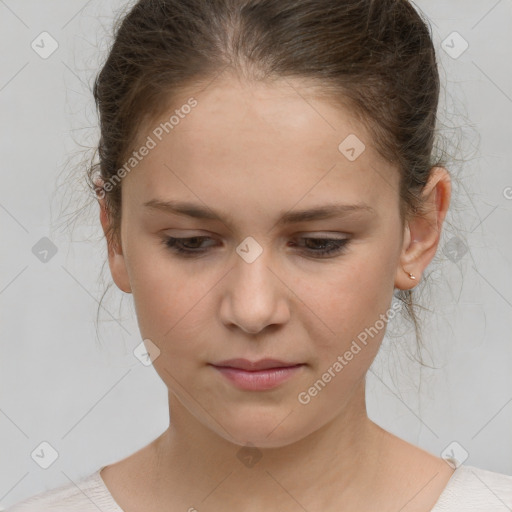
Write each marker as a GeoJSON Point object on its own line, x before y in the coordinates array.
{"type": "Point", "coordinates": [322, 234]}
{"type": "Point", "coordinates": [187, 233]}
{"type": "Point", "coordinates": [183, 233]}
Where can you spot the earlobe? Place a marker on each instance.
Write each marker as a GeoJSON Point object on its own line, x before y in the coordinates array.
{"type": "Point", "coordinates": [119, 272]}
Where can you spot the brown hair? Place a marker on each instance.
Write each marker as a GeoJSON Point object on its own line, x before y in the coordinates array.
{"type": "Point", "coordinates": [375, 56]}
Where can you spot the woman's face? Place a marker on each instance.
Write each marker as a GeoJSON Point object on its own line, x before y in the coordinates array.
{"type": "Point", "coordinates": [253, 157]}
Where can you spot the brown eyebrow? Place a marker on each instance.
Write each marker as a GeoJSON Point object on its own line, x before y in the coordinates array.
{"type": "Point", "coordinates": [197, 211]}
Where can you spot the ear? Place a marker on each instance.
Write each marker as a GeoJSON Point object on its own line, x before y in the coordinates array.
{"type": "Point", "coordinates": [116, 258]}
{"type": "Point", "coordinates": [423, 232]}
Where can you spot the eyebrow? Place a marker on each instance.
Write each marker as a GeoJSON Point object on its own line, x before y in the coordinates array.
{"type": "Point", "coordinates": [327, 211]}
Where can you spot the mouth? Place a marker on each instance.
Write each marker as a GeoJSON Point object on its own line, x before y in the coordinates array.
{"type": "Point", "coordinates": [257, 376]}
{"type": "Point", "coordinates": [251, 366]}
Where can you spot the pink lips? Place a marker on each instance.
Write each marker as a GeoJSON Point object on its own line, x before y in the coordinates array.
{"type": "Point", "coordinates": [258, 375]}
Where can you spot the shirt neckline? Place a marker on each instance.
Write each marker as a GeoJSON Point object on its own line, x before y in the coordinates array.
{"type": "Point", "coordinates": [443, 499]}
{"type": "Point", "coordinates": [440, 501]}
{"type": "Point", "coordinates": [112, 503]}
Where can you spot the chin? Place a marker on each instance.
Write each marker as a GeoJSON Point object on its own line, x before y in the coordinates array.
{"type": "Point", "coordinates": [263, 432]}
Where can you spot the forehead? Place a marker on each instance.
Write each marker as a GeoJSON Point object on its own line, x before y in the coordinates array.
{"type": "Point", "coordinates": [267, 142]}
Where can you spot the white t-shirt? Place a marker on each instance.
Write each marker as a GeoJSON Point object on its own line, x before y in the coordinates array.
{"type": "Point", "coordinates": [469, 489]}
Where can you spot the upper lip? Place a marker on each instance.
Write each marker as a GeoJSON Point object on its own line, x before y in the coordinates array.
{"type": "Point", "coordinates": [262, 364]}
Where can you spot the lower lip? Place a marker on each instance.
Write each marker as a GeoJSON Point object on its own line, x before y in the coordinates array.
{"type": "Point", "coordinates": [258, 380]}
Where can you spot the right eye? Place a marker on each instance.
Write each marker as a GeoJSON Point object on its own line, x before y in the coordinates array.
{"type": "Point", "coordinates": [182, 245]}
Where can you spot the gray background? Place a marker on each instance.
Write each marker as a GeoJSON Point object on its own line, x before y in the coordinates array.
{"type": "Point", "coordinates": [95, 403]}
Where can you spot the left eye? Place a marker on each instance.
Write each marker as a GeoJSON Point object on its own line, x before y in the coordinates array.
{"type": "Point", "coordinates": [189, 247]}
{"type": "Point", "coordinates": [326, 245]}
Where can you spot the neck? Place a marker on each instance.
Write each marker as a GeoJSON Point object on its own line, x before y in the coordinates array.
{"type": "Point", "coordinates": [337, 458]}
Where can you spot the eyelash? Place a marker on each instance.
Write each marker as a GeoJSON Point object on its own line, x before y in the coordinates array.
{"type": "Point", "coordinates": [338, 246]}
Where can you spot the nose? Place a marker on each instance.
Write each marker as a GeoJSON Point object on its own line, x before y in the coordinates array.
{"type": "Point", "coordinates": [254, 295]}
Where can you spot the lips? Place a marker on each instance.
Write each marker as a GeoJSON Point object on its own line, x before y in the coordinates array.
{"type": "Point", "coordinates": [253, 366]}
{"type": "Point", "coordinates": [257, 376]}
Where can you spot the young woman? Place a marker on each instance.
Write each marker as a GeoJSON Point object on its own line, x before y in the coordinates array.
{"type": "Point", "coordinates": [269, 196]}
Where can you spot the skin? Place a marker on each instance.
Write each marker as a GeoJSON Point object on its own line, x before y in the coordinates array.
{"type": "Point", "coordinates": [253, 152]}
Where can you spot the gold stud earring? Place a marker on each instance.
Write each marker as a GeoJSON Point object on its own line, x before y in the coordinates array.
{"type": "Point", "coordinates": [411, 276]}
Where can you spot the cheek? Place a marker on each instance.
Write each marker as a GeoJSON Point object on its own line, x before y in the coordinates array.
{"type": "Point", "coordinates": [346, 308]}
{"type": "Point", "coordinates": [173, 314]}
{"type": "Point", "coordinates": [171, 302]}
{"type": "Point", "coordinates": [349, 295]}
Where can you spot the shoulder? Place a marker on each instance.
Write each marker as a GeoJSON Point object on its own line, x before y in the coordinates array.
{"type": "Point", "coordinates": [86, 495]}
{"type": "Point", "coordinates": [472, 489]}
